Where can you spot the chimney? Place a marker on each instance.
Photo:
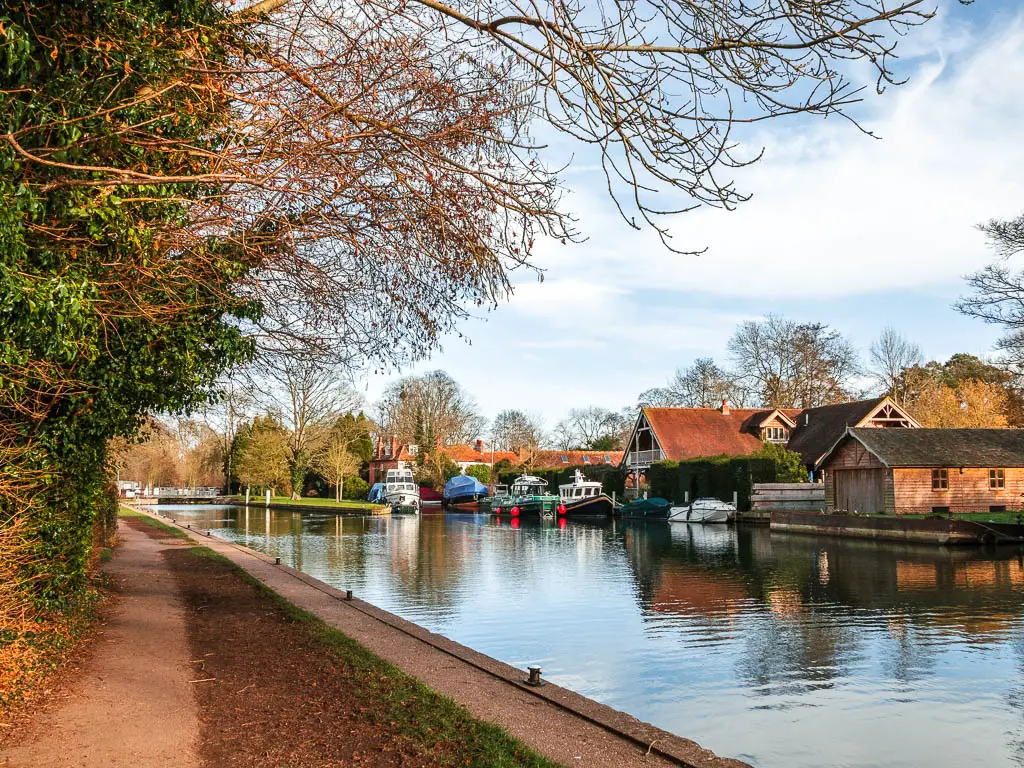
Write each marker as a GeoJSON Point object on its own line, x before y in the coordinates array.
{"type": "Point", "coordinates": [479, 446]}
{"type": "Point", "coordinates": [394, 446]}
{"type": "Point", "coordinates": [725, 408]}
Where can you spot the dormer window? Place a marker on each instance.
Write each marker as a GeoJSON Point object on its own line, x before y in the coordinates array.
{"type": "Point", "coordinates": [774, 434]}
{"type": "Point", "coordinates": [565, 459]}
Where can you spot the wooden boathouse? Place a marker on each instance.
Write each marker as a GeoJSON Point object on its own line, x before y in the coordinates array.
{"type": "Point", "coordinates": [924, 471]}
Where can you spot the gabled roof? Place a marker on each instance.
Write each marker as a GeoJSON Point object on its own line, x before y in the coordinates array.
{"type": "Point", "coordinates": [781, 415]}
{"type": "Point", "coordinates": [690, 433]}
{"type": "Point", "coordinates": [818, 429]}
{"type": "Point", "coordinates": [944, 447]}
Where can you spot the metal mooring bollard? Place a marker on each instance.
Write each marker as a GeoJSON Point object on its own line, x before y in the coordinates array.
{"type": "Point", "coordinates": [348, 594]}
{"type": "Point", "coordinates": [189, 526]}
{"type": "Point", "coordinates": [534, 678]}
{"type": "Point", "coordinates": [277, 561]}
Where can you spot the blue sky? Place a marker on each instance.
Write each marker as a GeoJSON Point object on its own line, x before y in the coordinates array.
{"type": "Point", "coordinates": [843, 229]}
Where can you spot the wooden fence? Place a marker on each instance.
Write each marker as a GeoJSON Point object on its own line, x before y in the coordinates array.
{"type": "Point", "coordinates": [788, 497]}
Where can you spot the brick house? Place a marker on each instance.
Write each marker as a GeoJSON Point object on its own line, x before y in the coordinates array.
{"type": "Point", "coordinates": [921, 471]}
{"type": "Point", "coordinates": [679, 434]}
{"type": "Point", "coordinates": [391, 454]}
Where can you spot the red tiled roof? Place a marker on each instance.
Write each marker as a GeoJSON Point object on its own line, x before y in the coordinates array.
{"type": "Point", "coordinates": [553, 459]}
{"type": "Point", "coordinates": [467, 453]}
{"type": "Point", "coordinates": [690, 433]}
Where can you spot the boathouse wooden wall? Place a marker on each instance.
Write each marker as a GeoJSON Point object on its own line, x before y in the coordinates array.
{"type": "Point", "coordinates": [908, 490]}
{"type": "Point", "coordinates": [868, 481]}
{"type": "Point", "coordinates": [967, 492]}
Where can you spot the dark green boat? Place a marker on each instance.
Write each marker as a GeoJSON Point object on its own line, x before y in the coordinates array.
{"type": "Point", "coordinates": [528, 496]}
{"type": "Point", "coordinates": [648, 509]}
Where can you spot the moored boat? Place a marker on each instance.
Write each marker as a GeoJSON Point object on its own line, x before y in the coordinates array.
{"type": "Point", "coordinates": [463, 494]}
{"type": "Point", "coordinates": [583, 498]}
{"type": "Point", "coordinates": [401, 491]}
{"type": "Point", "coordinates": [647, 509]}
{"type": "Point", "coordinates": [500, 491]}
{"type": "Point", "coordinates": [528, 496]}
{"type": "Point", "coordinates": [704, 511]}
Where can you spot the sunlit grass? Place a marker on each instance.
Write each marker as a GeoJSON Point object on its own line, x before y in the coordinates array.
{"type": "Point", "coordinates": [415, 711]}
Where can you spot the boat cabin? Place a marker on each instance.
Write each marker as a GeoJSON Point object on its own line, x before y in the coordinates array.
{"type": "Point", "coordinates": [527, 485]}
{"type": "Point", "coordinates": [579, 488]}
{"type": "Point", "coordinates": [400, 480]}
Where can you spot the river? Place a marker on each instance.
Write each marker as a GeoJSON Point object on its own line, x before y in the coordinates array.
{"type": "Point", "coordinates": [782, 650]}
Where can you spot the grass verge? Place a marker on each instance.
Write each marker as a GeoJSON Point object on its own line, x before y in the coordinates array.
{"type": "Point", "coordinates": [152, 522]}
{"type": "Point", "coordinates": [306, 502]}
{"type": "Point", "coordinates": [402, 705]}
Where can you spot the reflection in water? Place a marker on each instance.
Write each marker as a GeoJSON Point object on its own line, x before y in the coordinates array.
{"type": "Point", "coordinates": [783, 650]}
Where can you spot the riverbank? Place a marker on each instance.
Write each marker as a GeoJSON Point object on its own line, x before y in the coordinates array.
{"type": "Point", "coordinates": [563, 726]}
{"type": "Point", "coordinates": [309, 505]}
{"type": "Point", "coordinates": [922, 530]}
{"type": "Point", "coordinates": [270, 684]}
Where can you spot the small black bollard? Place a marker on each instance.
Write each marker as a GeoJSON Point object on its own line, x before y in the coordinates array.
{"type": "Point", "coordinates": [189, 526]}
{"type": "Point", "coordinates": [348, 594]}
{"type": "Point", "coordinates": [277, 561]}
{"type": "Point", "coordinates": [534, 678]}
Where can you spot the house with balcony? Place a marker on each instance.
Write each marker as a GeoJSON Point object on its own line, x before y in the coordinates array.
{"type": "Point", "coordinates": [680, 434]}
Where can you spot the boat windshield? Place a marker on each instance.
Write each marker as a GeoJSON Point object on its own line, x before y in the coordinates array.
{"type": "Point", "coordinates": [528, 490]}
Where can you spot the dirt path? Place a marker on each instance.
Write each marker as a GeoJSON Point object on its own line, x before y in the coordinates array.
{"type": "Point", "coordinates": [132, 705]}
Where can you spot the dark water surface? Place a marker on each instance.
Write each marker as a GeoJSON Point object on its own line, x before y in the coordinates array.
{"type": "Point", "coordinates": [782, 650]}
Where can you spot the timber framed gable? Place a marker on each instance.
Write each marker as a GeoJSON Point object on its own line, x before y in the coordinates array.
{"type": "Point", "coordinates": [643, 448]}
{"type": "Point", "coordinates": [887, 415]}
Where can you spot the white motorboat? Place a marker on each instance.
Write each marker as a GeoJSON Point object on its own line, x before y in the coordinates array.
{"type": "Point", "coordinates": [401, 491]}
{"type": "Point", "coordinates": [703, 511]}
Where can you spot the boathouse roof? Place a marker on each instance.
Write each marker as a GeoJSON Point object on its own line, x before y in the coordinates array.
{"type": "Point", "coordinates": [818, 429]}
{"type": "Point", "coordinates": [943, 447]}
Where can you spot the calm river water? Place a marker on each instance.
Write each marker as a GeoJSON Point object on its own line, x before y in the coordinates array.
{"type": "Point", "coordinates": [781, 650]}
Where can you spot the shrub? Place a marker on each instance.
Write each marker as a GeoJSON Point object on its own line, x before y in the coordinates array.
{"type": "Point", "coordinates": [356, 489]}
{"type": "Point", "coordinates": [481, 472]}
{"type": "Point", "coordinates": [789, 465]}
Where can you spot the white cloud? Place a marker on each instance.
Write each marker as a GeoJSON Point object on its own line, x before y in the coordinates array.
{"type": "Point", "coordinates": [840, 223]}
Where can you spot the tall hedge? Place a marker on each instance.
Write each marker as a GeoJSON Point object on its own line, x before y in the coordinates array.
{"type": "Point", "coordinates": [107, 311]}
{"type": "Point", "coordinates": [717, 477]}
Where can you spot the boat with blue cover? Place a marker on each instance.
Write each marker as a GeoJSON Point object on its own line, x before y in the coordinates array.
{"type": "Point", "coordinates": [463, 493]}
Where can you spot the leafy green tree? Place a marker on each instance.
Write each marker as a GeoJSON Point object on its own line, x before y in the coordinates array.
{"type": "Point", "coordinates": [481, 472]}
{"type": "Point", "coordinates": [109, 310]}
{"type": "Point", "coordinates": [789, 465]}
{"type": "Point", "coordinates": [265, 461]}
{"type": "Point", "coordinates": [356, 489]}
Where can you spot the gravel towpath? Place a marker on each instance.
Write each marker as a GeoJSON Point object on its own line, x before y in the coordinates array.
{"type": "Point", "coordinates": [132, 704]}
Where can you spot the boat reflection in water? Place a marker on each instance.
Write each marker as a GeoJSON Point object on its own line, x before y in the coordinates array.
{"type": "Point", "coordinates": [782, 650]}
